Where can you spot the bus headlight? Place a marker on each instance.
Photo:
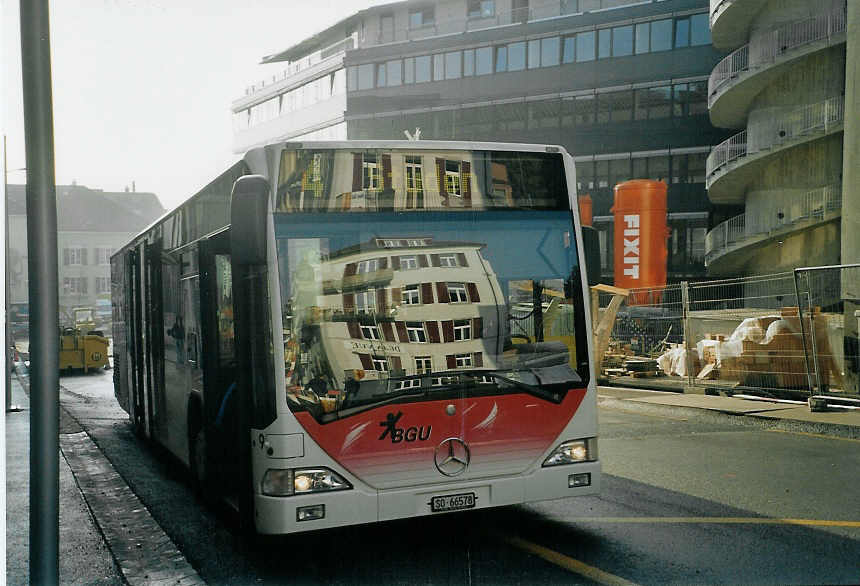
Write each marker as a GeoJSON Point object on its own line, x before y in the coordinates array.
{"type": "Point", "coordinates": [571, 452]}
{"type": "Point", "coordinates": [277, 482]}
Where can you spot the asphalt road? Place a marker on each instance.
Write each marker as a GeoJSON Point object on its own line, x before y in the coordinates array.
{"type": "Point", "coordinates": [684, 500]}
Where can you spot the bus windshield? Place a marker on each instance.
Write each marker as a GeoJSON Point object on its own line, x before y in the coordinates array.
{"type": "Point", "coordinates": [480, 295]}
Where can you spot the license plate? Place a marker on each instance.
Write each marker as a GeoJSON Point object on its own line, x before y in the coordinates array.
{"type": "Point", "coordinates": [453, 502]}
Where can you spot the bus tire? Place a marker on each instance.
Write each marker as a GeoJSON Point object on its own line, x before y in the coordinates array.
{"type": "Point", "coordinates": [197, 458]}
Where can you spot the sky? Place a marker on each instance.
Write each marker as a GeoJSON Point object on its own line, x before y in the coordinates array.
{"type": "Point", "coordinates": [142, 88]}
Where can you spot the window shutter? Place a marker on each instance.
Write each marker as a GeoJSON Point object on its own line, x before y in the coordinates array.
{"type": "Point", "coordinates": [452, 361]}
{"type": "Point", "coordinates": [366, 362]}
{"type": "Point", "coordinates": [440, 177]}
{"type": "Point", "coordinates": [473, 292]}
{"type": "Point", "coordinates": [349, 269]}
{"type": "Point", "coordinates": [396, 296]}
{"type": "Point", "coordinates": [432, 331]}
{"type": "Point", "coordinates": [386, 171]}
{"type": "Point", "coordinates": [388, 331]}
{"type": "Point", "coordinates": [396, 363]}
{"type": "Point", "coordinates": [442, 292]}
{"type": "Point", "coordinates": [356, 172]}
{"type": "Point", "coordinates": [461, 260]}
{"type": "Point", "coordinates": [448, 330]}
{"type": "Point", "coordinates": [466, 183]}
{"type": "Point", "coordinates": [478, 359]}
{"type": "Point", "coordinates": [383, 262]}
{"type": "Point", "coordinates": [349, 302]}
{"type": "Point", "coordinates": [395, 263]}
{"type": "Point", "coordinates": [380, 300]}
{"type": "Point", "coordinates": [83, 285]}
{"type": "Point", "coordinates": [347, 201]}
{"type": "Point", "coordinates": [401, 331]}
{"type": "Point", "coordinates": [66, 257]}
{"type": "Point", "coordinates": [422, 261]}
{"type": "Point", "coordinates": [426, 293]}
{"type": "Point", "coordinates": [84, 256]}
{"type": "Point", "coordinates": [477, 327]}
{"type": "Point", "coordinates": [434, 260]}
{"type": "Point", "coordinates": [354, 330]}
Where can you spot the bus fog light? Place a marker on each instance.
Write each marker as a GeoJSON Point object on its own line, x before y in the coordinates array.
{"type": "Point", "coordinates": [575, 480]}
{"type": "Point", "coordinates": [310, 513]}
{"type": "Point", "coordinates": [571, 452]}
{"type": "Point", "coordinates": [277, 482]}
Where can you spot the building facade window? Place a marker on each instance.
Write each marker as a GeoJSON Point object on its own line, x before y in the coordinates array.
{"type": "Point", "coordinates": [367, 266]}
{"type": "Point", "coordinates": [380, 363]}
{"type": "Point", "coordinates": [410, 295]}
{"type": "Point", "coordinates": [394, 72]}
{"type": "Point", "coordinates": [480, 8]}
{"type": "Point", "coordinates": [457, 293]}
{"type": "Point", "coordinates": [483, 61]}
{"type": "Point", "coordinates": [453, 63]}
{"type": "Point", "coordinates": [75, 285]}
{"type": "Point", "coordinates": [75, 256]}
{"type": "Point", "coordinates": [452, 178]}
{"type": "Point", "coordinates": [370, 333]}
{"type": "Point", "coordinates": [462, 329]}
{"type": "Point", "coordinates": [102, 285]}
{"type": "Point", "coordinates": [448, 260]}
{"type": "Point", "coordinates": [416, 332]}
{"type": "Point", "coordinates": [463, 360]}
{"type": "Point", "coordinates": [422, 69]}
{"type": "Point", "coordinates": [517, 56]}
{"type": "Point", "coordinates": [408, 263]}
{"type": "Point", "coordinates": [365, 301]}
{"type": "Point", "coordinates": [421, 17]}
{"type": "Point", "coordinates": [423, 365]}
{"type": "Point", "coordinates": [585, 47]}
{"type": "Point", "coordinates": [103, 255]}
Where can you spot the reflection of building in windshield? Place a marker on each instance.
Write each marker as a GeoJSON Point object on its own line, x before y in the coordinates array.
{"type": "Point", "coordinates": [404, 306]}
{"type": "Point", "coordinates": [376, 180]}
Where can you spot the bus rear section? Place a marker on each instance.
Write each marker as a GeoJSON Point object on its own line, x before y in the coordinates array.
{"type": "Point", "coordinates": [412, 337]}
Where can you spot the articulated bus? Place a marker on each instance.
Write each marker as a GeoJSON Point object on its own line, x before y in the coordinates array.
{"type": "Point", "coordinates": [339, 333]}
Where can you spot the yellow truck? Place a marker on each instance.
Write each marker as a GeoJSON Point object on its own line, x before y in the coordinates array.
{"type": "Point", "coordinates": [81, 346]}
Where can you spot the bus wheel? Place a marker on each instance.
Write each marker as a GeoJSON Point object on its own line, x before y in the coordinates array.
{"type": "Point", "coordinates": [197, 457]}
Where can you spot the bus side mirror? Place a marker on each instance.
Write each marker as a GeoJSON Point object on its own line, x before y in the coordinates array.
{"type": "Point", "coordinates": [591, 246]}
{"type": "Point", "coordinates": [248, 207]}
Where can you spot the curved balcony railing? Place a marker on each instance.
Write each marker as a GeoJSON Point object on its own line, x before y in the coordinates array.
{"type": "Point", "coordinates": [810, 120]}
{"type": "Point", "coordinates": [814, 205]}
{"type": "Point", "coordinates": [764, 48]}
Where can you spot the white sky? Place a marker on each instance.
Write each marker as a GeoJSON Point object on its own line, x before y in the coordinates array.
{"type": "Point", "coordinates": [142, 89]}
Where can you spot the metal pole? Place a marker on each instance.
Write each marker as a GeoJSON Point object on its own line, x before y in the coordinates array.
{"type": "Point", "coordinates": [812, 333]}
{"type": "Point", "coordinates": [9, 355]}
{"type": "Point", "coordinates": [43, 287]}
{"type": "Point", "coordinates": [802, 330]}
{"type": "Point", "coordinates": [685, 316]}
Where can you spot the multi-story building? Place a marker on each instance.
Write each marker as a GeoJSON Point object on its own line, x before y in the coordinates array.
{"type": "Point", "coordinates": [622, 85]}
{"type": "Point", "coordinates": [405, 306]}
{"type": "Point", "coordinates": [91, 225]}
{"type": "Point", "coordinates": [782, 91]}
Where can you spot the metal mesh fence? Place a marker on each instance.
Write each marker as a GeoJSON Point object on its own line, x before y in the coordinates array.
{"type": "Point", "coordinates": [743, 335]}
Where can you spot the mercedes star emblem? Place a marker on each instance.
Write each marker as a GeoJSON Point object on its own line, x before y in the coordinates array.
{"type": "Point", "coordinates": [452, 456]}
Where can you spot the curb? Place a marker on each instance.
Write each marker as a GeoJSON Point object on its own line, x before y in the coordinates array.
{"type": "Point", "coordinates": [757, 420]}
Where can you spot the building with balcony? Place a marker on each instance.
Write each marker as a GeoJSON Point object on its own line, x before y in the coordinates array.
{"type": "Point", "coordinates": [783, 92]}
{"type": "Point", "coordinates": [621, 84]}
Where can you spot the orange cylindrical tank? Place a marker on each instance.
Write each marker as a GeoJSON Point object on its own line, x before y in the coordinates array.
{"type": "Point", "coordinates": [640, 235]}
{"type": "Point", "coordinates": [585, 210]}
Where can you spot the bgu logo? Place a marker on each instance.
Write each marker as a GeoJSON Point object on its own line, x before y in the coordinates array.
{"type": "Point", "coordinates": [631, 246]}
{"type": "Point", "coordinates": [398, 434]}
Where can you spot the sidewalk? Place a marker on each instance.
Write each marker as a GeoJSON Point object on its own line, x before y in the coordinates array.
{"type": "Point", "coordinates": [84, 555]}
{"type": "Point", "coordinates": [789, 416]}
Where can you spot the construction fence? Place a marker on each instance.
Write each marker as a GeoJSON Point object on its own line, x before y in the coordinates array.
{"type": "Point", "coordinates": [787, 335]}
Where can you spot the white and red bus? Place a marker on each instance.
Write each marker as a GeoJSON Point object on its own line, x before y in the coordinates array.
{"type": "Point", "coordinates": [340, 333]}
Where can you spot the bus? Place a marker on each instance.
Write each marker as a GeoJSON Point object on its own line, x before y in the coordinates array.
{"type": "Point", "coordinates": [336, 333]}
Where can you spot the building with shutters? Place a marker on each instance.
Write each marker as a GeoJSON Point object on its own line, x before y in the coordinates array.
{"type": "Point", "coordinates": [621, 84]}
{"type": "Point", "coordinates": [91, 225]}
{"type": "Point", "coordinates": [399, 307]}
